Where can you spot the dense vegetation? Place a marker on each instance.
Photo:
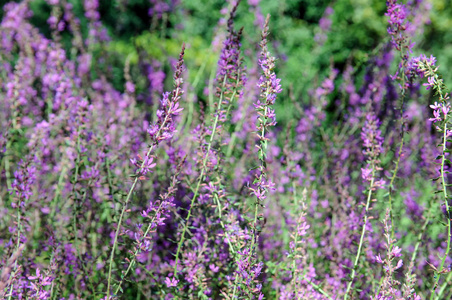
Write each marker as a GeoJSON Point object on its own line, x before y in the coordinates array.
{"type": "Point", "coordinates": [191, 149]}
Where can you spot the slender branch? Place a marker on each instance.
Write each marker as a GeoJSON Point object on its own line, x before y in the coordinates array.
{"type": "Point", "coordinates": [201, 176]}
{"type": "Point", "coordinates": [446, 203]}
{"type": "Point", "coordinates": [419, 239]}
{"type": "Point", "coordinates": [318, 288]}
{"type": "Point", "coordinates": [402, 141]}
{"type": "Point", "coordinates": [132, 262]}
{"type": "Point", "coordinates": [124, 208]}
{"type": "Point", "coordinates": [157, 137]}
{"type": "Point", "coordinates": [363, 231]}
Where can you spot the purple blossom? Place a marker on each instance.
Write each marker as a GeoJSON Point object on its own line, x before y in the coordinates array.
{"type": "Point", "coordinates": [396, 251]}
{"type": "Point", "coordinates": [378, 259]}
{"type": "Point", "coordinates": [171, 282]}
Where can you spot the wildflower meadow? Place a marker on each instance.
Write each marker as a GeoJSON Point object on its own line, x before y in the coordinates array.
{"type": "Point", "coordinates": [225, 149]}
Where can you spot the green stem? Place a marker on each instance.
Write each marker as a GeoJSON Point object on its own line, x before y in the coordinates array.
{"type": "Point", "coordinates": [361, 240]}
{"type": "Point", "coordinates": [132, 262]}
{"type": "Point", "coordinates": [7, 173]}
{"type": "Point", "coordinates": [443, 287]}
{"type": "Point", "coordinates": [57, 193]}
{"type": "Point", "coordinates": [446, 203]}
{"type": "Point", "coordinates": [201, 177]}
{"type": "Point", "coordinates": [318, 288]}
{"type": "Point", "coordinates": [294, 267]}
{"type": "Point", "coordinates": [263, 153]}
{"type": "Point", "coordinates": [211, 91]}
{"type": "Point", "coordinates": [391, 186]}
{"type": "Point", "coordinates": [235, 285]}
{"type": "Point", "coordinates": [17, 246]}
{"type": "Point", "coordinates": [19, 229]}
{"type": "Point", "coordinates": [419, 239]}
{"type": "Point", "coordinates": [75, 208]}
{"type": "Point", "coordinates": [231, 247]}
{"type": "Point", "coordinates": [234, 135]}
{"type": "Point", "coordinates": [394, 174]}
{"type": "Point", "coordinates": [128, 198]}
{"type": "Point", "coordinates": [192, 99]}
{"type": "Point", "coordinates": [124, 207]}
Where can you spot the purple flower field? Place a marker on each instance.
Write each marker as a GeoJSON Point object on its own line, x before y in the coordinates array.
{"type": "Point", "coordinates": [167, 182]}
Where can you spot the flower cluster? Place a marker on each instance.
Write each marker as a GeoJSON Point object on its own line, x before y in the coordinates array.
{"type": "Point", "coordinates": [164, 128]}
{"type": "Point", "coordinates": [373, 144]}
{"type": "Point", "coordinates": [398, 22]}
{"type": "Point", "coordinates": [144, 165]}
{"type": "Point", "coordinates": [389, 284]}
{"type": "Point", "coordinates": [440, 111]}
{"type": "Point", "coordinates": [22, 185]}
{"type": "Point", "coordinates": [269, 86]}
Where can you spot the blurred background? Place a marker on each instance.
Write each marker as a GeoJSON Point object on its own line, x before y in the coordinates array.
{"type": "Point", "coordinates": [309, 38]}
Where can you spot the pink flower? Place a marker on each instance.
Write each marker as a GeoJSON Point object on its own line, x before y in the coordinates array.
{"type": "Point", "coordinates": [130, 87]}
{"type": "Point", "coordinates": [378, 258]}
{"type": "Point", "coordinates": [396, 251]}
{"type": "Point", "coordinates": [366, 173]}
{"type": "Point", "coordinates": [171, 282]}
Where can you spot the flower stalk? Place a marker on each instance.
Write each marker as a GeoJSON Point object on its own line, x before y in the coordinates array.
{"type": "Point", "coordinates": [162, 130]}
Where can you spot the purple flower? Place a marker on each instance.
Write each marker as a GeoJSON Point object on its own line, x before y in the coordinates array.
{"type": "Point", "coordinates": [171, 282]}
{"type": "Point", "coordinates": [439, 110]}
{"type": "Point", "coordinates": [396, 251]}
{"type": "Point", "coordinates": [366, 173]}
{"type": "Point", "coordinates": [399, 264]}
{"type": "Point", "coordinates": [214, 268]}
{"type": "Point", "coordinates": [371, 136]}
{"type": "Point", "coordinates": [379, 260]}
{"type": "Point", "coordinates": [398, 23]}
{"type": "Point", "coordinates": [130, 87]}
{"type": "Point", "coordinates": [302, 229]}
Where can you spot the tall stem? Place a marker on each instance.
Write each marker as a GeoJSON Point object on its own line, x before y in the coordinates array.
{"type": "Point", "coordinates": [129, 196]}
{"type": "Point", "coordinates": [363, 231]}
{"type": "Point", "coordinates": [446, 203]}
{"type": "Point", "coordinates": [201, 176]}
{"type": "Point", "coordinates": [402, 141]}
{"type": "Point", "coordinates": [132, 262]}
{"type": "Point", "coordinates": [391, 184]}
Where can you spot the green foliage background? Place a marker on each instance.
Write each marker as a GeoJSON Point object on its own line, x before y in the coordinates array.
{"type": "Point", "coordinates": [358, 30]}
